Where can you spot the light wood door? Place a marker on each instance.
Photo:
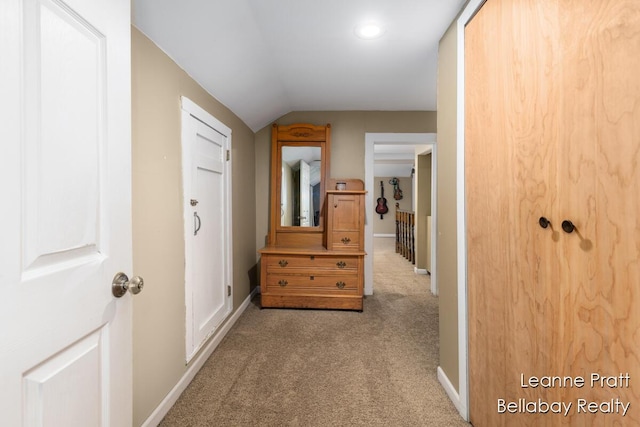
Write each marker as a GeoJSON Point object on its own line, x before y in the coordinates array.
{"type": "Point", "coordinates": [65, 214]}
{"type": "Point", "coordinates": [551, 130]}
{"type": "Point", "coordinates": [600, 176]}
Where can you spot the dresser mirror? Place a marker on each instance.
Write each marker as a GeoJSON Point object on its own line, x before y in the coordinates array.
{"type": "Point", "coordinates": [300, 186]}
{"type": "Point", "coordinates": [299, 172]}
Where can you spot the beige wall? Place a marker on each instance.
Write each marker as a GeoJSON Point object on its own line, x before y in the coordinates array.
{"type": "Point", "coordinates": [387, 225]}
{"type": "Point", "coordinates": [348, 130]}
{"type": "Point", "coordinates": [158, 245]}
{"type": "Point", "coordinates": [446, 205]}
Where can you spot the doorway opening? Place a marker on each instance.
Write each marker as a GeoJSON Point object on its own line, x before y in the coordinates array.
{"type": "Point", "coordinates": [423, 143]}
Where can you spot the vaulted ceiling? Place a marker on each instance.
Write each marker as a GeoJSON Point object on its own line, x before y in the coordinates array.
{"type": "Point", "coordinates": [265, 58]}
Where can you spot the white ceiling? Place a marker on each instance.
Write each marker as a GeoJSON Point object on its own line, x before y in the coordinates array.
{"type": "Point", "coordinates": [265, 58]}
{"type": "Point", "coordinates": [396, 159]}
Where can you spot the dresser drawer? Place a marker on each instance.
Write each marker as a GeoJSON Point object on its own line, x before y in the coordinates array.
{"type": "Point", "coordinates": [345, 240]}
{"type": "Point", "coordinates": [293, 263]}
{"type": "Point", "coordinates": [344, 283]}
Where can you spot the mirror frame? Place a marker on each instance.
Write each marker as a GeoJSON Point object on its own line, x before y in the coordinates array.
{"type": "Point", "coordinates": [297, 135]}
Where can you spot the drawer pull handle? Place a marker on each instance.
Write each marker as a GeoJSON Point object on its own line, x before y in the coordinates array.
{"type": "Point", "coordinates": [341, 264]}
{"type": "Point", "coordinates": [283, 283]}
{"type": "Point", "coordinates": [340, 285]}
{"type": "Point", "coordinates": [283, 263]}
{"type": "Point", "coordinates": [346, 240]}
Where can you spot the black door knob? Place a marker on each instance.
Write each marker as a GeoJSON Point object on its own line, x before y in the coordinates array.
{"type": "Point", "coordinates": [544, 222]}
{"type": "Point", "coordinates": [568, 226]}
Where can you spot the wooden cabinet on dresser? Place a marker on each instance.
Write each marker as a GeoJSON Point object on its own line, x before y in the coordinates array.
{"type": "Point", "coordinates": [316, 263]}
{"type": "Point", "coordinates": [345, 220]}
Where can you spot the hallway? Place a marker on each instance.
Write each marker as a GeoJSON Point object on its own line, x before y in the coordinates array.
{"type": "Point", "coordinates": [320, 368]}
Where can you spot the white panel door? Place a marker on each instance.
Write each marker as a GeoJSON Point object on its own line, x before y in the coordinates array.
{"type": "Point", "coordinates": [65, 227]}
{"type": "Point", "coordinates": [305, 199]}
{"type": "Point", "coordinates": [208, 298]}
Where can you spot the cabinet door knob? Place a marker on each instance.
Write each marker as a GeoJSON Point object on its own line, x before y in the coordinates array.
{"type": "Point", "coordinates": [340, 284]}
{"type": "Point", "coordinates": [341, 264]}
{"type": "Point", "coordinates": [283, 263]}
{"type": "Point", "coordinates": [283, 283]}
{"type": "Point", "coordinates": [568, 226]}
{"type": "Point", "coordinates": [346, 240]}
{"type": "Point", "coordinates": [544, 222]}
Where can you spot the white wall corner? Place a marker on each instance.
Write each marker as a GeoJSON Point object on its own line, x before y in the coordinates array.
{"type": "Point", "coordinates": [452, 393]}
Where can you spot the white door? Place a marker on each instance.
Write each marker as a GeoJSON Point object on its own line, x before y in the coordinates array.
{"type": "Point", "coordinates": [305, 199]}
{"type": "Point", "coordinates": [65, 227]}
{"type": "Point", "coordinates": [207, 229]}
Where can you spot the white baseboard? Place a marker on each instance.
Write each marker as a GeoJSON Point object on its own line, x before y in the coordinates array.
{"type": "Point", "coordinates": [383, 235]}
{"type": "Point", "coordinates": [451, 392]}
{"type": "Point", "coordinates": [420, 270]}
{"type": "Point", "coordinates": [195, 365]}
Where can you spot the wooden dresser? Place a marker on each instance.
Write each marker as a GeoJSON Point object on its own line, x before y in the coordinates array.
{"type": "Point", "coordinates": [311, 278]}
{"type": "Point", "coordinates": [319, 265]}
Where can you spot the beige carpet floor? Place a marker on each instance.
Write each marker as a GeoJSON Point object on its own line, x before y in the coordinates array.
{"type": "Point", "coordinates": [280, 367]}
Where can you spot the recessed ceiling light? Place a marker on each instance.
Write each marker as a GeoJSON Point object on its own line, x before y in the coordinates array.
{"type": "Point", "coordinates": [370, 30]}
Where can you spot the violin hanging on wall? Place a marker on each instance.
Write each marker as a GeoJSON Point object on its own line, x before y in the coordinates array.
{"type": "Point", "coordinates": [381, 207]}
{"type": "Point", "coordinates": [397, 192]}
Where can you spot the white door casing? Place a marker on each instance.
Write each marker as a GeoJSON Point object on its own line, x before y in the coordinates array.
{"type": "Point", "coordinates": [65, 215]}
{"type": "Point", "coordinates": [207, 220]}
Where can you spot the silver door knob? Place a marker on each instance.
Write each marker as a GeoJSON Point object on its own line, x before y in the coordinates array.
{"type": "Point", "coordinates": [121, 284]}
